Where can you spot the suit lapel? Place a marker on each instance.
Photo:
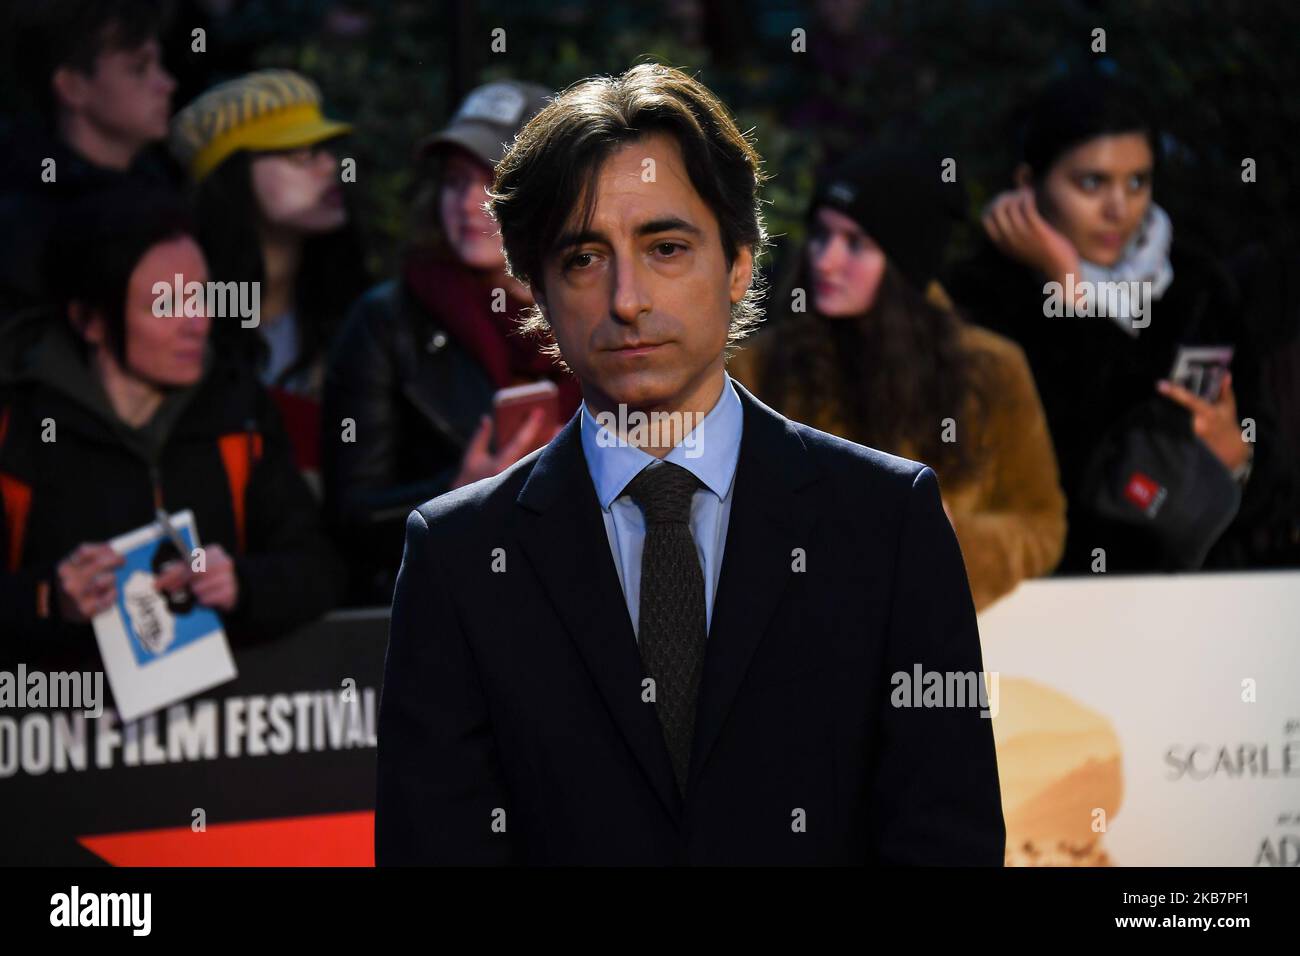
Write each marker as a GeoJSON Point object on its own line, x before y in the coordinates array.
{"type": "Point", "coordinates": [559, 525]}
{"type": "Point", "coordinates": [772, 510]}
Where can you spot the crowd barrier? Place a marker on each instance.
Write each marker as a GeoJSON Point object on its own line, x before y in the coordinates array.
{"type": "Point", "coordinates": [1150, 721]}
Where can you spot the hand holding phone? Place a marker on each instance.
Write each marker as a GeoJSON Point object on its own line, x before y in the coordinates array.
{"type": "Point", "coordinates": [512, 408]}
{"type": "Point", "coordinates": [1201, 370]}
{"type": "Point", "coordinates": [1205, 390]}
{"type": "Point", "coordinates": [525, 418]}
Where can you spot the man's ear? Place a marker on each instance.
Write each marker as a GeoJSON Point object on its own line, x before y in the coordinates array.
{"type": "Point", "coordinates": [1023, 176]}
{"type": "Point", "coordinates": [69, 85]}
{"type": "Point", "coordinates": [742, 274]}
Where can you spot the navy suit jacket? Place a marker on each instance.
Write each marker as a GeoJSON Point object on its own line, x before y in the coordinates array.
{"type": "Point", "coordinates": [512, 724]}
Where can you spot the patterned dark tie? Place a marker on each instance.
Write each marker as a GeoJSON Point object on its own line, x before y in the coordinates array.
{"type": "Point", "coordinates": [672, 626]}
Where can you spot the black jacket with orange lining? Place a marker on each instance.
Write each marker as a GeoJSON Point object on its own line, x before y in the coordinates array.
{"type": "Point", "coordinates": [226, 457]}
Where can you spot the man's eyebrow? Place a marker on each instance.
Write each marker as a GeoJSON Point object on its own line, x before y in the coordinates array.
{"type": "Point", "coordinates": [668, 224]}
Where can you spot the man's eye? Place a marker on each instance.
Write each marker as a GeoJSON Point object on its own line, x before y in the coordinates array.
{"type": "Point", "coordinates": [1138, 183]}
{"type": "Point", "coordinates": [1090, 183]}
{"type": "Point", "coordinates": [669, 249]}
{"type": "Point", "coordinates": [573, 261]}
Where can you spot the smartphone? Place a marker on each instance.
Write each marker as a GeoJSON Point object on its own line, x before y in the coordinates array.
{"type": "Point", "coordinates": [1200, 369]}
{"type": "Point", "coordinates": [512, 406]}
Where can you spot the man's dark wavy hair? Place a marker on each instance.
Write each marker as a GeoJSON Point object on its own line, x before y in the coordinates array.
{"type": "Point", "coordinates": [550, 172]}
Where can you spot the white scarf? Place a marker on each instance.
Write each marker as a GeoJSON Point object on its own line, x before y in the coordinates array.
{"type": "Point", "coordinates": [1145, 258]}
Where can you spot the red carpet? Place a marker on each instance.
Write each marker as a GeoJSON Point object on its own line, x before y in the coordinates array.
{"type": "Point", "coordinates": [328, 839]}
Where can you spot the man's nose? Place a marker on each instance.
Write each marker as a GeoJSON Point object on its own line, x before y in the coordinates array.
{"type": "Point", "coordinates": [629, 296]}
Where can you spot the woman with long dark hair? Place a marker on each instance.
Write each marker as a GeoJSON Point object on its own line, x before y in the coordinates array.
{"type": "Point", "coordinates": [879, 357]}
{"type": "Point", "coordinates": [271, 210]}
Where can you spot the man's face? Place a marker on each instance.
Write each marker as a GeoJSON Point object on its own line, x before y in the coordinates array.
{"type": "Point", "coordinates": [640, 304]}
{"type": "Point", "coordinates": [127, 96]}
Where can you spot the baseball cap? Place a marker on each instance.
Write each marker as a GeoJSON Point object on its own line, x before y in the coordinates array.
{"type": "Point", "coordinates": [489, 118]}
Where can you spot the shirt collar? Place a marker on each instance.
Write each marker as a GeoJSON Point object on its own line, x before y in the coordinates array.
{"type": "Point", "coordinates": [709, 452]}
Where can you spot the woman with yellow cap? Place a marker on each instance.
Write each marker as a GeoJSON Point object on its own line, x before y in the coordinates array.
{"type": "Point", "coordinates": [272, 211]}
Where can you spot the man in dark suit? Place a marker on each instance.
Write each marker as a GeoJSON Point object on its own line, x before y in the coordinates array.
{"type": "Point", "coordinates": [688, 630]}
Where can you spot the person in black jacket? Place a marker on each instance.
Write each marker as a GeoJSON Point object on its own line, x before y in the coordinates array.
{"type": "Point", "coordinates": [414, 370]}
{"type": "Point", "coordinates": [1082, 215]}
{"type": "Point", "coordinates": [115, 408]}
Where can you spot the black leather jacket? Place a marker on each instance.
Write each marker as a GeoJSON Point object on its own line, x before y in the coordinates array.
{"type": "Point", "coordinates": [414, 397]}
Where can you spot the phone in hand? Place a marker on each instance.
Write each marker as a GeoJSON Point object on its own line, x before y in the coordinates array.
{"type": "Point", "coordinates": [1200, 369]}
{"type": "Point", "coordinates": [512, 406]}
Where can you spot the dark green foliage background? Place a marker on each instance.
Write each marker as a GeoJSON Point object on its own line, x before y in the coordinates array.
{"type": "Point", "coordinates": [1223, 76]}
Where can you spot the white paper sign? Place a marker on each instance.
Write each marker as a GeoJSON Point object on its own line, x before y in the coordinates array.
{"type": "Point", "coordinates": [156, 649]}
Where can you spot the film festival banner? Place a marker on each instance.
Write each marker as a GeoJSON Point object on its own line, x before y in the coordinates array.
{"type": "Point", "coordinates": [1149, 721]}
{"type": "Point", "coordinates": [276, 767]}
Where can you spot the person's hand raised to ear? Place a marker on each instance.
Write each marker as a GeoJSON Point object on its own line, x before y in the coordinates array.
{"type": "Point", "coordinates": [1013, 224]}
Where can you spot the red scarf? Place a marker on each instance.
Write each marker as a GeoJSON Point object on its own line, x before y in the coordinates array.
{"type": "Point", "coordinates": [461, 303]}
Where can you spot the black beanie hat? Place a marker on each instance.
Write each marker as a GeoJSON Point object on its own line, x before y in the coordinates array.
{"type": "Point", "coordinates": [898, 196]}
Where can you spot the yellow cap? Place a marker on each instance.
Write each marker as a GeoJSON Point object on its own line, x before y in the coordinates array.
{"type": "Point", "coordinates": [263, 111]}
